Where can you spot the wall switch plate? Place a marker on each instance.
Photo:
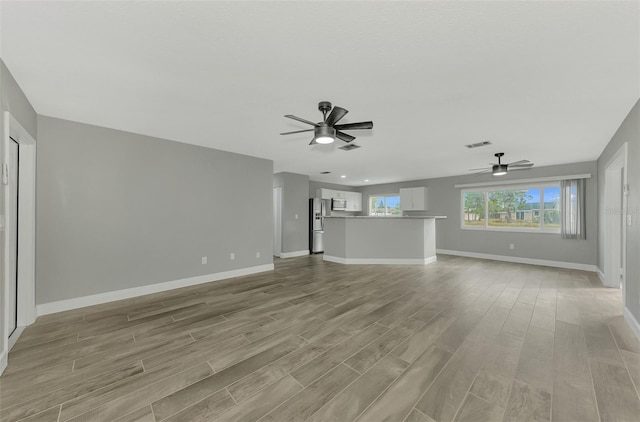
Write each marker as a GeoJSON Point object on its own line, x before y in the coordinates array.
{"type": "Point", "coordinates": [257, 254]}
{"type": "Point", "coordinates": [204, 260]}
{"type": "Point", "coordinates": [232, 256]}
{"type": "Point", "coordinates": [512, 246]}
{"type": "Point", "coordinates": [629, 220]}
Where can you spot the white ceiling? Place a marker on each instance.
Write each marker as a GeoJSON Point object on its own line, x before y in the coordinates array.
{"type": "Point", "coordinates": [545, 81]}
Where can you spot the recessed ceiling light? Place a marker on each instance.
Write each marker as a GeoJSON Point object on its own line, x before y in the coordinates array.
{"type": "Point", "coordinates": [366, 180]}
{"type": "Point", "coordinates": [343, 176]}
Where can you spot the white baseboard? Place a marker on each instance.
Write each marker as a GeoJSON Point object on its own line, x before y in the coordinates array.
{"type": "Point", "coordinates": [632, 321]}
{"type": "Point", "coordinates": [81, 302]}
{"type": "Point", "coordinates": [15, 336]}
{"type": "Point", "coordinates": [370, 261]}
{"type": "Point", "coordinates": [3, 361]}
{"type": "Point", "coordinates": [600, 276]}
{"type": "Point", "coordinates": [294, 254]}
{"type": "Point", "coordinates": [520, 260]}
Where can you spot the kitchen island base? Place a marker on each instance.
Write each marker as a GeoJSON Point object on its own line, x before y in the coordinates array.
{"type": "Point", "coordinates": [384, 241]}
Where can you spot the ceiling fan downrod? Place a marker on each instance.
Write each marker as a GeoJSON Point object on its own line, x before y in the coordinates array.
{"type": "Point", "coordinates": [324, 107]}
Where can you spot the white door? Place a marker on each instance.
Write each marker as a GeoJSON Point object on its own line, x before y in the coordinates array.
{"type": "Point", "coordinates": [12, 236]}
{"type": "Point", "coordinates": [277, 221]}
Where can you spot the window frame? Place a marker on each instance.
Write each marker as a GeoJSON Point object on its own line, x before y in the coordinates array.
{"type": "Point", "coordinates": [385, 195]}
{"type": "Point", "coordinates": [494, 188]}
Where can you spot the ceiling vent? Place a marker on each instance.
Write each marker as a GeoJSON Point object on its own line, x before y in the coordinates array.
{"type": "Point", "coordinates": [478, 144]}
{"type": "Point", "coordinates": [325, 172]}
{"type": "Point", "coordinates": [349, 147]}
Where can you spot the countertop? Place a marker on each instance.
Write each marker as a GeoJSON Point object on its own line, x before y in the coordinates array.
{"type": "Point", "coordinates": [407, 217]}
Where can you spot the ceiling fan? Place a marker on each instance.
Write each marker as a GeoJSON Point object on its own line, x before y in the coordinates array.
{"type": "Point", "coordinates": [501, 169]}
{"type": "Point", "coordinates": [327, 130]}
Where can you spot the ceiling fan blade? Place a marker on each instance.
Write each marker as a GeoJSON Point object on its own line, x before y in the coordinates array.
{"type": "Point", "coordinates": [297, 131]}
{"type": "Point", "coordinates": [336, 114]}
{"type": "Point", "coordinates": [344, 136]}
{"type": "Point", "coordinates": [313, 142]}
{"type": "Point", "coordinates": [518, 168]}
{"type": "Point", "coordinates": [519, 162]}
{"type": "Point", "coordinates": [527, 165]}
{"type": "Point", "coordinates": [291, 116]}
{"type": "Point", "coordinates": [352, 126]}
{"type": "Point", "coordinates": [481, 168]}
{"type": "Point", "coordinates": [483, 172]}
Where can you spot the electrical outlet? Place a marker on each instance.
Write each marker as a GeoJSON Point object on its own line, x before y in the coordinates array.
{"type": "Point", "coordinates": [204, 260]}
{"type": "Point", "coordinates": [232, 256]}
{"type": "Point", "coordinates": [512, 246]}
{"type": "Point", "coordinates": [257, 254]}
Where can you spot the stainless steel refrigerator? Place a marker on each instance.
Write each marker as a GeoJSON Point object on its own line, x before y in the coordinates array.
{"type": "Point", "coordinates": [317, 212]}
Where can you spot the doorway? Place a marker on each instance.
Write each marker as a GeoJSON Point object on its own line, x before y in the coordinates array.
{"type": "Point", "coordinates": [12, 234]}
{"type": "Point", "coordinates": [18, 184]}
{"type": "Point", "coordinates": [615, 180]}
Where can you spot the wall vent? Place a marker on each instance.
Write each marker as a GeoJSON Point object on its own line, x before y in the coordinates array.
{"type": "Point", "coordinates": [478, 144]}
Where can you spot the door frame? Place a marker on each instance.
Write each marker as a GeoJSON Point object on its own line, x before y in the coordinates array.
{"type": "Point", "coordinates": [616, 164]}
{"type": "Point", "coordinates": [26, 232]}
{"type": "Point", "coordinates": [277, 221]}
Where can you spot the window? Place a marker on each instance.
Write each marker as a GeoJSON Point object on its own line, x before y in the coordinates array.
{"type": "Point", "coordinates": [385, 205]}
{"type": "Point", "coordinates": [522, 208]}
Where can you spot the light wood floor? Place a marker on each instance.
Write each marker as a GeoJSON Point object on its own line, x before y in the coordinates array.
{"type": "Point", "coordinates": [461, 339]}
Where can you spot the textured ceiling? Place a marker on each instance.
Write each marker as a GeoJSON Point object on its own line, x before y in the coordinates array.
{"type": "Point", "coordinates": [545, 81]}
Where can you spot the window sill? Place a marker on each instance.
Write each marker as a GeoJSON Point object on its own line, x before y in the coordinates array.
{"type": "Point", "coordinates": [509, 230]}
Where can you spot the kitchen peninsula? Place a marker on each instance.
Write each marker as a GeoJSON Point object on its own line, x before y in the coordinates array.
{"type": "Point", "coordinates": [380, 240]}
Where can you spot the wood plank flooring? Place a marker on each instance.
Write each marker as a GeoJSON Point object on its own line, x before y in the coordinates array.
{"type": "Point", "coordinates": [459, 340]}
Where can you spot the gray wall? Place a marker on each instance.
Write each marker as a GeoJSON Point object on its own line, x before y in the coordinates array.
{"type": "Point", "coordinates": [444, 199]}
{"type": "Point", "coordinates": [295, 202]}
{"type": "Point", "coordinates": [13, 100]}
{"type": "Point", "coordinates": [628, 132]}
{"type": "Point", "coordinates": [117, 210]}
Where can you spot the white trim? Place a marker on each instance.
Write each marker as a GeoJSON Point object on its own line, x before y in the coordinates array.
{"type": "Point", "coordinates": [374, 261]}
{"type": "Point", "coordinates": [600, 276]}
{"type": "Point", "coordinates": [520, 260]}
{"type": "Point", "coordinates": [15, 336]}
{"type": "Point", "coordinates": [3, 361]}
{"type": "Point", "coordinates": [81, 302]}
{"type": "Point", "coordinates": [617, 162]}
{"type": "Point", "coordinates": [294, 254]}
{"type": "Point", "coordinates": [516, 181]}
{"type": "Point", "coordinates": [632, 321]}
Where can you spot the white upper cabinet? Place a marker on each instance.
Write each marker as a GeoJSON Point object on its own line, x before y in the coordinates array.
{"type": "Point", "coordinates": [325, 193]}
{"type": "Point", "coordinates": [413, 199]}
{"type": "Point", "coordinates": [354, 199]}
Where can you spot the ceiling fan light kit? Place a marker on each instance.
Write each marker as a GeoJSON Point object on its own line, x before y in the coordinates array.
{"type": "Point", "coordinates": [499, 169]}
{"type": "Point", "coordinates": [328, 130]}
{"type": "Point", "coordinates": [324, 134]}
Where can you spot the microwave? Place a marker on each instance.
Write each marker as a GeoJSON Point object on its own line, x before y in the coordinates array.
{"type": "Point", "coordinates": [338, 204]}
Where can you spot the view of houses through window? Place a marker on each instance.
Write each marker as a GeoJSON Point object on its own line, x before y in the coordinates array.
{"type": "Point", "coordinates": [529, 208]}
{"type": "Point", "coordinates": [385, 205]}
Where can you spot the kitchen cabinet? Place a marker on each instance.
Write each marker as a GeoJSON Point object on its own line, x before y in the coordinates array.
{"type": "Point", "coordinates": [354, 199]}
{"type": "Point", "coordinates": [325, 193]}
{"type": "Point", "coordinates": [413, 199]}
